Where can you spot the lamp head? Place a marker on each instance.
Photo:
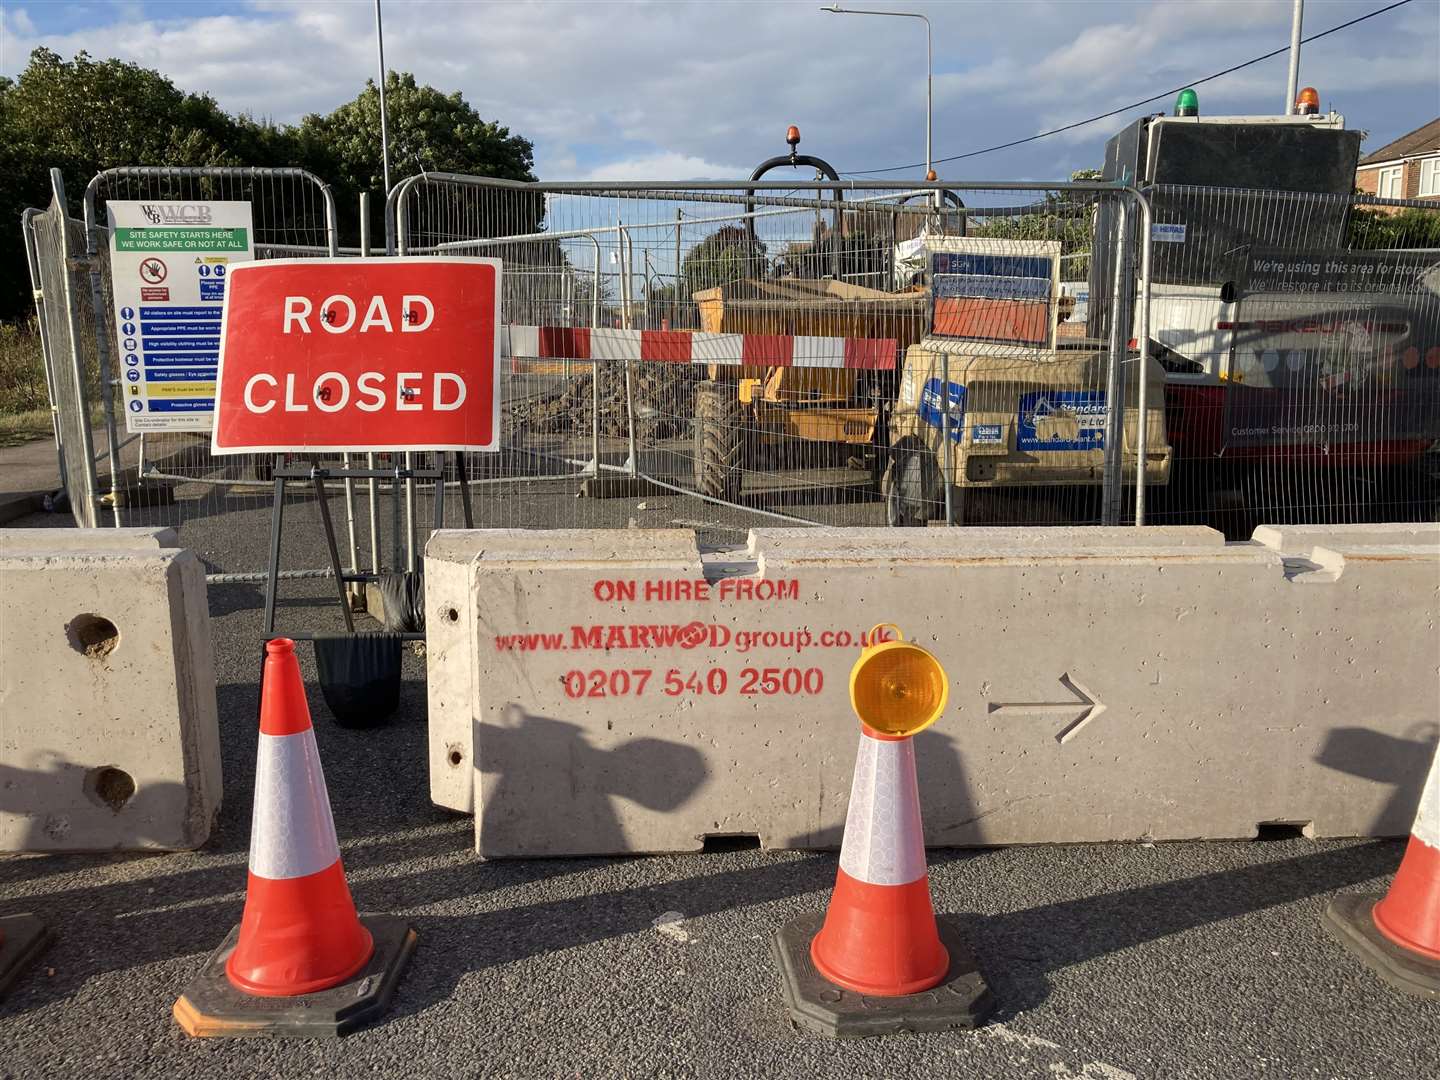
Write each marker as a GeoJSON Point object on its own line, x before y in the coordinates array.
{"type": "Point", "coordinates": [897, 688]}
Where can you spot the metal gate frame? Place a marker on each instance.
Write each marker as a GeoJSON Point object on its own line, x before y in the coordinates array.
{"type": "Point", "coordinates": [1133, 229]}
{"type": "Point", "coordinates": [96, 233]}
{"type": "Point", "coordinates": [65, 376]}
{"type": "Point", "coordinates": [32, 262]}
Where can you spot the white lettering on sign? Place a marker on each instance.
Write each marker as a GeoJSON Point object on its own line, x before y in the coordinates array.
{"type": "Point", "coordinates": [291, 405]}
{"type": "Point", "coordinates": [331, 392]}
{"type": "Point", "coordinates": [376, 315]}
{"type": "Point", "coordinates": [339, 312]}
{"type": "Point", "coordinates": [442, 377]}
{"type": "Point", "coordinates": [250, 402]}
{"type": "Point", "coordinates": [329, 314]}
{"type": "Point", "coordinates": [323, 397]}
{"type": "Point", "coordinates": [405, 394]}
{"type": "Point", "coordinates": [366, 385]}
{"type": "Point", "coordinates": [297, 309]}
{"type": "Point", "coordinates": [414, 327]}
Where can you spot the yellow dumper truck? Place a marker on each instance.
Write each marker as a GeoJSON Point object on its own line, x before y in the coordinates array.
{"type": "Point", "coordinates": [749, 416]}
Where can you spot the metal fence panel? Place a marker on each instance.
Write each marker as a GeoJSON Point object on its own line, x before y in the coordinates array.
{"type": "Point", "coordinates": [740, 351]}
{"type": "Point", "coordinates": [171, 478]}
{"type": "Point", "coordinates": [60, 305]}
{"type": "Point", "coordinates": [720, 355]}
{"type": "Point", "coordinates": [52, 369]}
{"type": "Point", "coordinates": [1301, 338]}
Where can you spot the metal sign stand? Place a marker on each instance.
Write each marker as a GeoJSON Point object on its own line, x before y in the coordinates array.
{"type": "Point", "coordinates": [399, 477]}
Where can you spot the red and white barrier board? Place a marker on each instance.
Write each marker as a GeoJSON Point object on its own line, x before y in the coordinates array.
{"type": "Point", "coordinates": [698, 347]}
{"type": "Point", "coordinates": [359, 354]}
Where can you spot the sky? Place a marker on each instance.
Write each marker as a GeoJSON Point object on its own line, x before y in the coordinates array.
{"type": "Point", "coordinates": [688, 90]}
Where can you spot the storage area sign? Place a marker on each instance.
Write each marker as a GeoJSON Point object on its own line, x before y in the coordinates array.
{"type": "Point", "coordinates": [169, 262]}
{"type": "Point", "coordinates": [360, 354]}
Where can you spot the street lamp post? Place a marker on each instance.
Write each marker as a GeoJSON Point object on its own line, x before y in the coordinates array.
{"type": "Point", "coordinates": [384, 121]}
{"type": "Point", "coordinates": [836, 9]}
{"type": "Point", "coordinates": [1292, 81]}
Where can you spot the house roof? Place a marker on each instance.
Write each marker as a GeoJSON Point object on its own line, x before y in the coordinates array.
{"type": "Point", "coordinates": [1422, 140]}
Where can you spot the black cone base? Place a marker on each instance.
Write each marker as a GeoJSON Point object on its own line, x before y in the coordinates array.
{"type": "Point", "coordinates": [1349, 921]}
{"type": "Point", "coordinates": [22, 939]}
{"type": "Point", "coordinates": [211, 1006]}
{"type": "Point", "coordinates": [963, 1000]}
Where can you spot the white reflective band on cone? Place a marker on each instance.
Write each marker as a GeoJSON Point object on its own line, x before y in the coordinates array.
{"type": "Point", "coordinates": [1427, 818]}
{"type": "Point", "coordinates": [291, 831]}
{"type": "Point", "coordinates": [883, 842]}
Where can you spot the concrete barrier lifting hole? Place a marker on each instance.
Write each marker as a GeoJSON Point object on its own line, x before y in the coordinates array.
{"type": "Point", "coordinates": [94, 635]}
{"type": "Point", "coordinates": [109, 786]}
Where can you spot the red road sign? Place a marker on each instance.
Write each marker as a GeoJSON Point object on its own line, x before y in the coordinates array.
{"type": "Point", "coordinates": [359, 354]}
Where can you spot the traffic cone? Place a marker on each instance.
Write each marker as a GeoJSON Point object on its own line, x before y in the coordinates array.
{"type": "Point", "coordinates": [879, 961]}
{"type": "Point", "coordinates": [22, 939]}
{"type": "Point", "coordinates": [300, 938]}
{"type": "Point", "coordinates": [1398, 936]}
{"type": "Point", "coordinates": [880, 935]}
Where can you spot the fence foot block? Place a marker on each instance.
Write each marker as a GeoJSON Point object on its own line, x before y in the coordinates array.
{"type": "Point", "coordinates": [620, 487]}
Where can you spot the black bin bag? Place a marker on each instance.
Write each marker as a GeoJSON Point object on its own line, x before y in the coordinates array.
{"type": "Point", "coordinates": [360, 677]}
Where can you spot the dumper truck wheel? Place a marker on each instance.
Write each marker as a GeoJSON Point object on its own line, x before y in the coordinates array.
{"type": "Point", "coordinates": [719, 441]}
{"type": "Point", "coordinates": [910, 486]}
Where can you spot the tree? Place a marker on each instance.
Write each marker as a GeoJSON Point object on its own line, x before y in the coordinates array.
{"type": "Point", "coordinates": [1380, 227]}
{"type": "Point", "coordinates": [1062, 215]}
{"type": "Point", "coordinates": [726, 255]}
{"type": "Point", "coordinates": [84, 115]}
{"type": "Point", "coordinates": [429, 131]}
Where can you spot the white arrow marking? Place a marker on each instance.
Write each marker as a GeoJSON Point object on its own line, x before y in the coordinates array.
{"type": "Point", "coordinates": [1093, 708]}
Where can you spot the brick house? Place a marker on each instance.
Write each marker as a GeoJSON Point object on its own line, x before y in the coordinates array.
{"type": "Point", "coordinates": [1408, 168]}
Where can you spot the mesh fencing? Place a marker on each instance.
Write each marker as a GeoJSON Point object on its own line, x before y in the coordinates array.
{"type": "Point", "coordinates": [171, 478]}
{"type": "Point", "coordinates": [52, 367]}
{"type": "Point", "coordinates": [1300, 337]}
{"type": "Point", "coordinates": [74, 375]}
{"type": "Point", "coordinates": [740, 351]}
{"type": "Point", "coordinates": [717, 356]}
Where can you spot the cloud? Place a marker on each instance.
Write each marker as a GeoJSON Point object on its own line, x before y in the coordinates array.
{"type": "Point", "coordinates": [664, 166]}
{"type": "Point", "coordinates": [610, 90]}
{"type": "Point", "coordinates": [20, 22]}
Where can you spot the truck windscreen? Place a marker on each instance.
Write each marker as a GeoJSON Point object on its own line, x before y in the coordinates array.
{"type": "Point", "coordinates": [1270, 157]}
{"type": "Point", "coordinates": [1289, 190]}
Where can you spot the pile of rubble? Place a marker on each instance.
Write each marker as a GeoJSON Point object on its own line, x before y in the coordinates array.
{"type": "Point", "coordinates": [664, 396]}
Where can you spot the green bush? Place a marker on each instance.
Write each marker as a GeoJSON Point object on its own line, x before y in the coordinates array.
{"type": "Point", "coordinates": [22, 369]}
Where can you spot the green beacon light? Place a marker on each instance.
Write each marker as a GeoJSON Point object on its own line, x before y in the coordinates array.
{"type": "Point", "coordinates": [1187, 103]}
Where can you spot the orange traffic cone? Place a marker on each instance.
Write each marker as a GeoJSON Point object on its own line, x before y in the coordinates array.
{"type": "Point", "coordinates": [1398, 936]}
{"type": "Point", "coordinates": [300, 936]}
{"type": "Point", "coordinates": [22, 939]}
{"type": "Point", "coordinates": [880, 937]}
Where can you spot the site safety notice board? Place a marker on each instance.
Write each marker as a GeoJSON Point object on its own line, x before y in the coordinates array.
{"type": "Point", "coordinates": [360, 354]}
{"type": "Point", "coordinates": [169, 263]}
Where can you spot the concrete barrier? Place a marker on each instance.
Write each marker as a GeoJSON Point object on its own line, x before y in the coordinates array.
{"type": "Point", "coordinates": [108, 732]}
{"type": "Point", "coordinates": [1299, 540]}
{"type": "Point", "coordinates": [627, 694]}
{"type": "Point", "coordinates": [451, 558]}
{"type": "Point", "coordinates": [49, 541]}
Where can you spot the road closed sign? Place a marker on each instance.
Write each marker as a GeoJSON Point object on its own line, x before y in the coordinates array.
{"type": "Point", "coordinates": [360, 354]}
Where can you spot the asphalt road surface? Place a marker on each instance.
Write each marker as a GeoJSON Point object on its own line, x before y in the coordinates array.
{"type": "Point", "coordinates": [1108, 961]}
